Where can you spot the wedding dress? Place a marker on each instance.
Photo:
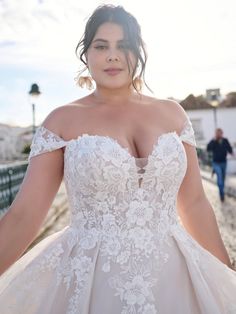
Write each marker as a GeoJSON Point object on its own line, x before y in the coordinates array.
{"type": "Point", "coordinates": [125, 250]}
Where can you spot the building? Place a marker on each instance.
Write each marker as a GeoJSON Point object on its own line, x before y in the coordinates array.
{"type": "Point", "coordinates": [201, 114]}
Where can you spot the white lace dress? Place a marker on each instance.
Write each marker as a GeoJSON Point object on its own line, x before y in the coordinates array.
{"type": "Point", "coordinates": [125, 250]}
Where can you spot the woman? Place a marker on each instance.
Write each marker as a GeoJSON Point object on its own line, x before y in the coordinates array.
{"type": "Point", "coordinates": [130, 165]}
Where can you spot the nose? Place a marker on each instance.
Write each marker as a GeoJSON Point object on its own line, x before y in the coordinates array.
{"type": "Point", "coordinates": [112, 56]}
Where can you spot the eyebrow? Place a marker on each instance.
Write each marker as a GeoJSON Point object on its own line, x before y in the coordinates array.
{"type": "Point", "coordinates": [106, 41]}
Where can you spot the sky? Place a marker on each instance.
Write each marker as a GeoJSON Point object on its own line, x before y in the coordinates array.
{"type": "Point", "coordinates": [191, 47]}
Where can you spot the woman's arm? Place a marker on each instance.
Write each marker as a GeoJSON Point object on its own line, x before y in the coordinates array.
{"type": "Point", "coordinates": [195, 211]}
{"type": "Point", "coordinates": [20, 225]}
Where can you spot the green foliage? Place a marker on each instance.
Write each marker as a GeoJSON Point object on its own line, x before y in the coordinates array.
{"type": "Point", "coordinates": [26, 149]}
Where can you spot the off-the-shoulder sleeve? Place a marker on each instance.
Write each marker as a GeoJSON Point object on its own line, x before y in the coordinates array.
{"type": "Point", "coordinates": [45, 141]}
{"type": "Point", "coordinates": [187, 134]}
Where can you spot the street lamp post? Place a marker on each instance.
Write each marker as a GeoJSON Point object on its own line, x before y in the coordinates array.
{"type": "Point", "coordinates": [34, 93]}
{"type": "Point", "coordinates": [213, 97]}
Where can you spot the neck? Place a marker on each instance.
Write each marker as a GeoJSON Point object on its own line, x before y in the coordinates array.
{"type": "Point", "coordinates": [119, 96]}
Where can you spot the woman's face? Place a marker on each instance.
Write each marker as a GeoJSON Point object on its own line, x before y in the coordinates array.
{"type": "Point", "coordinates": [106, 57]}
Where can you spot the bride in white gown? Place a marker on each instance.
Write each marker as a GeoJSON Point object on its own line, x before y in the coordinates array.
{"type": "Point", "coordinates": [142, 238]}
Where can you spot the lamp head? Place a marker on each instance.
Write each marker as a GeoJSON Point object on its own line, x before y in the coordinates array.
{"type": "Point", "coordinates": [34, 91]}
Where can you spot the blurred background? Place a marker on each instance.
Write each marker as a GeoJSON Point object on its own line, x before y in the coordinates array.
{"type": "Point", "coordinates": [191, 58]}
{"type": "Point", "coordinates": [191, 47]}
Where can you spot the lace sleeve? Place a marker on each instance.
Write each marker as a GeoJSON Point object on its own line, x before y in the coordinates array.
{"type": "Point", "coordinates": [45, 141]}
{"type": "Point", "coordinates": [187, 134]}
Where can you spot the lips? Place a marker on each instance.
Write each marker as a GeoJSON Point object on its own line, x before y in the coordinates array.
{"type": "Point", "coordinates": [113, 71]}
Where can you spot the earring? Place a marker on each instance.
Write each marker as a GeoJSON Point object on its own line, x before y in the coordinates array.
{"type": "Point", "coordinates": [138, 83]}
{"type": "Point", "coordinates": [84, 81]}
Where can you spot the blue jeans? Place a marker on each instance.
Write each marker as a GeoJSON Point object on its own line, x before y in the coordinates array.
{"type": "Point", "coordinates": [220, 170]}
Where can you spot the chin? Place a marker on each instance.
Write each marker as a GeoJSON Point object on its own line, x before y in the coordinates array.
{"type": "Point", "coordinates": [113, 85]}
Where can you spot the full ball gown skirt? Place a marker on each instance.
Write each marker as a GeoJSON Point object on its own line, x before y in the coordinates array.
{"type": "Point", "coordinates": [125, 250]}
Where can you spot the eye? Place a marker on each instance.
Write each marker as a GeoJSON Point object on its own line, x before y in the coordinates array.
{"type": "Point", "coordinates": [124, 46]}
{"type": "Point", "coordinates": [100, 47]}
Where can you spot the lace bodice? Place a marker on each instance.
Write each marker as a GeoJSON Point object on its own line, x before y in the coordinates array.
{"type": "Point", "coordinates": [107, 165]}
{"type": "Point", "coordinates": [128, 220]}
{"type": "Point", "coordinates": [103, 178]}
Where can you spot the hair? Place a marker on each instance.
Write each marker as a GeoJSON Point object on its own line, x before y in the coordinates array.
{"type": "Point", "coordinates": [132, 33]}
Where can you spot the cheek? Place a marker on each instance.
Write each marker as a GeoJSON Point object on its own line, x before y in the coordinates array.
{"type": "Point", "coordinates": [93, 62]}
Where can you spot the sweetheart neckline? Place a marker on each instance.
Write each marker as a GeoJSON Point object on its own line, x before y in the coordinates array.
{"type": "Point", "coordinates": [114, 140]}
{"type": "Point", "coordinates": [126, 149]}
{"type": "Point", "coordinates": [140, 185]}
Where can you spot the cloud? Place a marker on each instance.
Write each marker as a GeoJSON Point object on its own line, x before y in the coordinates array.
{"type": "Point", "coordinates": [40, 32]}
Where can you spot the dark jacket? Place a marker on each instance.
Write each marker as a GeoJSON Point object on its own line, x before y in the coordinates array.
{"type": "Point", "coordinates": [219, 149]}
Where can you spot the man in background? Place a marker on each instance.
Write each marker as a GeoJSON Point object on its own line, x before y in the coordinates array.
{"type": "Point", "coordinates": [220, 146]}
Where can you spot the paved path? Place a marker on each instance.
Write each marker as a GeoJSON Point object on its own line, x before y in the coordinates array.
{"type": "Point", "coordinates": [225, 216]}
{"type": "Point", "coordinates": [230, 181]}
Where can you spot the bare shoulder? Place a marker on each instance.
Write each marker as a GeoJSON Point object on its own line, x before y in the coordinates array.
{"type": "Point", "coordinates": [62, 115]}
{"type": "Point", "coordinates": [172, 107]}
{"type": "Point", "coordinates": [54, 119]}
{"type": "Point", "coordinates": [165, 103]}
{"type": "Point", "coordinates": [170, 110]}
